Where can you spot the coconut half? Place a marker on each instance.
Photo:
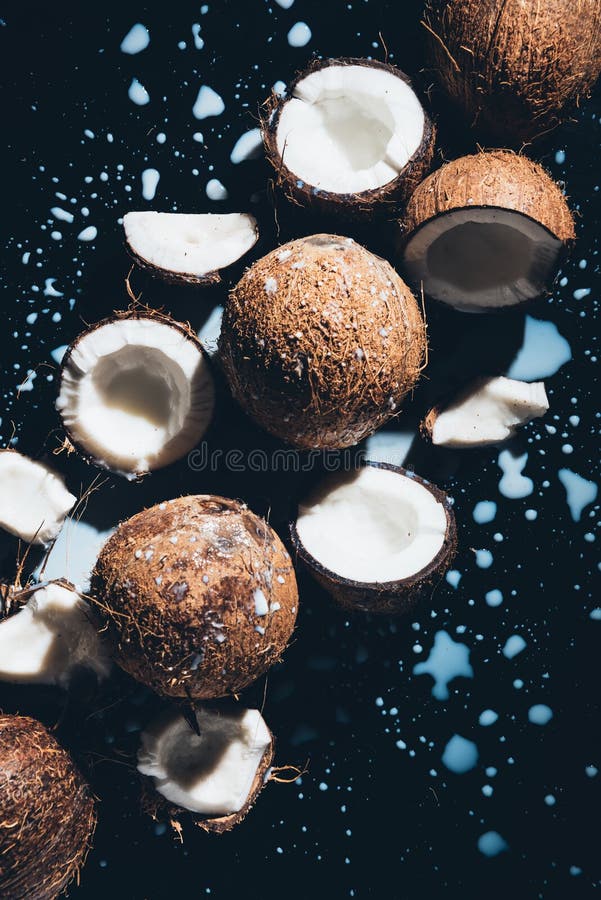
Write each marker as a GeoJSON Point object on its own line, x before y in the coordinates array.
{"type": "Point", "coordinates": [349, 137]}
{"type": "Point", "coordinates": [488, 411]}
{"type": "Point", "coordinates": [136, 392]}
{"type": "Point", "coordinates": [47, 813]}
{"type": "Point", "coordinates": [215, 771]}
{"type": "Point", "coordinates": [191, 248]}
{"type": "Point", "coordinates": [486, 232]}
{"type": "Point", "coordinates": [52, 636]}
{"type": "Point", "coordinates": [33, 499]}
{"type": "Point", "coordinates": [376, 537]}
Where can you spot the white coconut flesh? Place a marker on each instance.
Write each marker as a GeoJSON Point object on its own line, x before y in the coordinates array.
{"type": "Point", "coordinates": [190, 244]}
{"type": "Point", "coordinates": [349, 128]}
{"type": "Point", "coordinates": [49, 638]}
{"type": "Point", "coordinates": [136, 394]}
{"type": "Point", "coordinates": [475, 258]}
{"type": "Point", "coordinates": [372, 526]}
{"type": "Point", "coordinates": [489, 411]}
{"type": "Point", "coordinates": [211, 773]}
{"type": "Point", "coordinates": [33, 499]}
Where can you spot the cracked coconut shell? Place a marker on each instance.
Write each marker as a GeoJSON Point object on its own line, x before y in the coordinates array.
{"type": "Point", "coordinates": [321, 341]}
{"type": "Point", "coordinates": [47, 813]}
{"type": "Point", "coordinates": [515, 67]}
{"type": "Point", "coordinates": [199, 596]}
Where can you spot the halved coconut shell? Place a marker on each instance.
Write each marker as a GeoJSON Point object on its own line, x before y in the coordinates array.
{"type": "Point", "coordinates": [486, 232]}
{"type": "Point", "coordinates": [359, 528]}
{"type": "Point", "coordinates": [189, 248]}
{"type": "Point", "coordinates": [515, 68]}
{"type": "Point", "coordinates": [161, 773]}
{"type": "Point", "coordinates": [350, 137]}
{"type": "Point", "coordinates": [136, 392]}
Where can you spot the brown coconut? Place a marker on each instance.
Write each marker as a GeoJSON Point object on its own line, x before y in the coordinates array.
{"type": "Point", "coordinates": [47, 813]}
{"type": "Point", "coordinates": [497, 185]}
{"type": "Point", "coordinates": [515, 68]}
{"type": "Point", "coordinates": [198, 594]}
{"type": "Point", "coordinates": [321, 341]}
{"type": "Point", "coordinates": [363, 205]}
{"type": "Point", "coordinates": [391, 597]}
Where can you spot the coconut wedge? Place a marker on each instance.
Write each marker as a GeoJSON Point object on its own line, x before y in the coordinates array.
{"type": "Point", "coordinates": [350, 137]}
{"type": "Point", "coordinates": [136, 392]}
{"type": "Point", "coordinates": [376, 538]}
{"type": "Point", "coordinates": [215, 771]}
{"type": "Point", "coordinates": [47, 813]}
{"type": "Point", "coordinates": [199, 596]}
{"type": "Point", "coordinates": [33, 499]}
{"type": "Point", "coordinates": [191, 248]}
{"type": "Point", "coordinates": [514, 68]}
{"type": "Point", "coordinates": [486, 232]}
{"type": "Point", "coordinates": [50, 637]}
{"type": "Point", "coordinates": [488, 411]}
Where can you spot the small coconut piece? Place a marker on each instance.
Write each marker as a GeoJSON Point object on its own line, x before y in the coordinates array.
{"type": "Point", "coordinates": [190, 248]}
{"type": "Point", "coordinates": [216, 771]}
{"type": "Point", "coordinates": [515, 68]}
{"type": "Point", "coordinates": [376, 538]}
{"type": "Point", "coordinates": [486, 232]}
{"type": "Point", "coordinates": [50, 635]}
{"type": "Point", "coordinates": [47, 813]}
{"type": "Point", "coordinates": [136, 392]}
{"type": "Point", "coordinates": [321, 341]}
{"type": "Point", "coordinates": [488, 411]}
{"type": "Point", "coordinates": [199, 595]}
{"type": "Point", "coordinates": [349, 137]}
{"type": "Point", "coordinates": [33, 499]}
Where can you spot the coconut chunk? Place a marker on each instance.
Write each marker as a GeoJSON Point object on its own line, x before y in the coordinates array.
{"type": "Point", "coordinates": [349, 127]}
{"type": "Point", "coordinates": [487, 412]}
{"type": "Point", "coordinates": [33, 499]}
{"type": "Point", "coordinates": [189, 247]}
{"type": "Point", "coordinates": [136, 393]}
{"type": "Point", "coordinates": [50, 637]}
{"type": "Point", "coordinates": [212, 773]}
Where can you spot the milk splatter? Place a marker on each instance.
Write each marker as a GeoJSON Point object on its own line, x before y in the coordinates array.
{"type": "Point", "coordinates": [299, 35]}
{"type": "Point", "coordinates": [488, 717]}
{"type": "Point", "coordinates": [198, 41]}
{"type": "Point", "coordinates": [136, 39]}
{"type": "Point", "coordinates": [208, 103]}
{"type": "Point", "coordinates": [88, 234]}
{"type": "Point", "coordinates": [62, 214]}
{"type": "Point", "coordinates": [74, 553]}
{"type": "Point", "coordinates": [580, 492]}
{"type": "Point", "coordinates": [460, 755]}
{"type": "Point", "coordinates": [247, 147]}
{"type": "Point", "coordinates": [494, 597]}
{"type": "Point", "coordinates": [448, 659]}
{"type": "Point", "coordinates": [540, 714]}
{"type": "Point", "coordinates": [513, 484]}
{"type": "Point", "coordinates": [491, 843]}
{"type": "Point", "coordinates": [137, 93]}
{"type": "Point", "coordinates": [150, 180]}
{"type": "Point", "coordinates": [484, 511]}
{"type": "Point", "coordinates": [215, 190]}
{"type": "Point", "coordinates": [544, 351]}
{"type": "Point", "coordinates": [513, 645]}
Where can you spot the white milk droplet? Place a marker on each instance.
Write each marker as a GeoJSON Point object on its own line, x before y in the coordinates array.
{"type": "Point", "coordinates": [513, 484]}
{"type": "Point", "coordinates": [247, 147]}
{"type": "Point", "coordinates": [448, 659]}
{"type": "Point", "coordinates": [488, 717]}
{"type": "Point", "coordinates": [579, 491]}
{"type": "Point", "coordinates": [136, 39]}
{"type": "Point", "coordinates": [62, 214]}
{"type": "Point", "coordinates": [88, 234]}
{"type": "Point", "coordinates": [299, 35]}
{"type": "Point", "coordinates": [137, 93]}
{"type": "Point", "coordinates": [208, 103]}
{"type": "Point", "coordinates": [150, 179]}
{"type": "Point", "coordinates": [215, 190]}
{"type": "Point", "coordinates": [491, 843]}
{"type": "Point", "coordinates": [484, 511]}
{"type": "Point", "coordinates": [544, 350]}
{"type": "Point", "coordinates": [75, 551]}
{"type": "Point", "coordinates": [540, 714]}
{"type": "Point", "coordinates": [198, 41]}
{"type": "Point", "coordinates": [285, 4]}
{"type": "Point", "coordinates": [460, 755]}
{"type": "Point", "coordinates": [514, 645]}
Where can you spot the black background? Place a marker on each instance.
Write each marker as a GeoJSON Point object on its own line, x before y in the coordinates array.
{"type": "Point", "coordinates": [385, 826]}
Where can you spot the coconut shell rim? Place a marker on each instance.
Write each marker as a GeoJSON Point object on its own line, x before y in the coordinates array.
{"type": "Point", "coordinates": [119, 315]}
{"type": "Point", "coordinates": [400, 585]}
{"type": "Point", "coordinates": [285, 176]}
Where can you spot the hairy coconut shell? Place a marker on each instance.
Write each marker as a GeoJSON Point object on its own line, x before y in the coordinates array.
{"type": "Point", "coordinates": [387, 597]}
{"type": "Point", "coordinates": [321, 341]}
{"type": "Point", "coordinates": [497, 178]}
{"type": "Point", "coordinates": [515, 67]}
{"type": "Point", "coordinates": [47, 813]}
{"type": "Point", "coordinates": [364, 205]}
{"type": "Point", "coordinates": [180, 585]}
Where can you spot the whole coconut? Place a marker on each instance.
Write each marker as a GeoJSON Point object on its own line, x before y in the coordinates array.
{"type": "Point", "coordinates": [515, 67]}
{"type": "Point", "coordinates": [321, 341]}
{"type": "Point", "coordinates": [199, 596]}
{"type": "Point", "coordinates": [47, 814]}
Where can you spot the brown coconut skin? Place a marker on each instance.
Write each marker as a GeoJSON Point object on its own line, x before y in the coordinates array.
{"type": "Point", "coordinates": [166, 623]}
{"type": "Point", "coordinates": [47, 813]}
{"type": "Point", "coordinates": [362, 206]}
{"type": "Point", "coordinates": [389, 597]}
{"type": "Point", "coordinates": [155, 805]}
{"type": "Point", "coordinates": [496, 178]}
{"type": "Point", "coordinates": [327, 358]}
{"type": "Point", "coordinates": [514, 67]}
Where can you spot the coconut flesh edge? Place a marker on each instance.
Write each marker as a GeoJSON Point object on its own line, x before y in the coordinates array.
{"type": "Point", "coordinates": [349, 128]}
{"type": "Point", "coordinates": [189, 244]}
{"type": "Point", "coordinates": [50, 637]}
{"type": "Point", "coordinates": [372, 526]}
{"type": "Point", "coordinates": [485, 257]}
{"type": "Point", "coordinates": [136, 394]}
{"type": "Point", "coordinates": [33, 499]}
{"type": "Point", "coordinates": [210, 773]}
